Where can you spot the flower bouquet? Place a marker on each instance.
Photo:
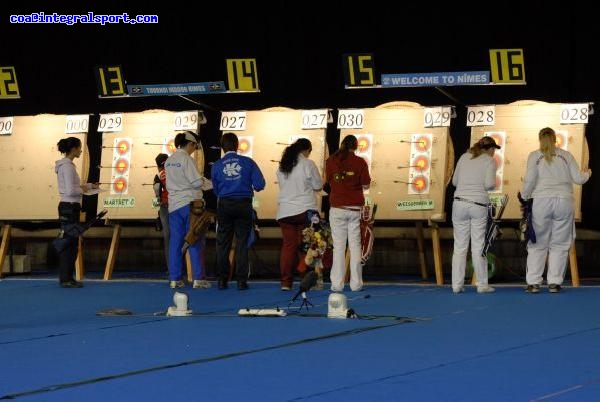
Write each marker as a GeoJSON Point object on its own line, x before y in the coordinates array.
{"type": "Point", "coordinates": [316, 240]}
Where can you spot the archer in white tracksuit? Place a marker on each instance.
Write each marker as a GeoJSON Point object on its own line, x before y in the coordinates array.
{"type": "Point", "coordinates": [474, 176]}
{"type": "Point", "coordinates": [551, 173]}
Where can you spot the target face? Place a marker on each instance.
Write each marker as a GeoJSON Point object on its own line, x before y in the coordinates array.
{"type": "Point", "coordinates": [364, 143]}
{"type": "Point", "coordinates": [499, 139]}
{"type": "Point", "coordinates": [421, 162]}
{"type": "Point", "coordinates": [121, 166]}
{"type": "Point", "coordinates": [120, 185]}
{"type": "Point", "coordinates": [561, 140]}
{"type": "Point", "coordinates": [423, 144]}
{"type": "Point", "coordinates": [244, 146]}
{"type": "Point", "coordinates": [419, 184]}
{"type": "Point", "coordinates": [123, 147]}
{"type": "Point", "coordinates": [171, 146]}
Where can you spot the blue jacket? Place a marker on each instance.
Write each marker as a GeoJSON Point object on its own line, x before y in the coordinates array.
{"type": "Point", "coordinates": [236, 176]}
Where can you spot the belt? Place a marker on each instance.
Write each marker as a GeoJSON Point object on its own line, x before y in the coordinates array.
{"type": "Point", "coordinates": [355, 209]}
{"type": "Point", "coordinates": [470, 201]}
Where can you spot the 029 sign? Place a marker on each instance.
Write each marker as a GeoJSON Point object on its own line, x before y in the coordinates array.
{"type": "Point", "coordinates": [437, 116]}
{"type": "Point", "coordinates": [110, 122]}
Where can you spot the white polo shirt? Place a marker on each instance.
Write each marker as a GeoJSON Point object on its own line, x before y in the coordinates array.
{"type": "Point", "coordinates": [297, 190]}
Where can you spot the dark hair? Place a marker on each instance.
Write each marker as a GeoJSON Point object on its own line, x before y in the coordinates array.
{"type": "Point", "coordinates": [289, 158]}
{"type": "Point", "coordinates": [67, 144]}
{"type": "Point", "coordinates": [229, 142]}
{"type": "Point", "coordinates": [349, 143]}
{"type": "Point", "coordinates": [160, 160]}
{"type": "Point", "coordinates": [181, 139]}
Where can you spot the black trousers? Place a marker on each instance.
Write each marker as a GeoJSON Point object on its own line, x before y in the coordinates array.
{"type": "Point", "coordinates": [234, 216]}
{"type": "Point", "coordinates": [68, 213]}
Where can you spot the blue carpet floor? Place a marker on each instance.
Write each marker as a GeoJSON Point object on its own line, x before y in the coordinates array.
{"type": "Point", "coordinates": [408, 343]}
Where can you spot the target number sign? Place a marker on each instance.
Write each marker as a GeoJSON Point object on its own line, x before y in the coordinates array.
{"type": "Point", "coordinates": [110, 123]}
{"type": "Point", "coordinates": [6, 125]}
{"type": "Point", "coordinates": [186, 121]}
{"type": "Point", "coordinates": [351, 118]}
{"type": "Point", "coordinates": [437, 116]}
{"type": "Point", "coordinates": [77, 123]}
{"type": "Point", "coordinates": [574, 113]}
{"type": "Point", "coordinates": [314, 119]}
{"type": "Point", "coordinates": [481, 115]}
{"type": "Point", "coordinates": [233, 121]}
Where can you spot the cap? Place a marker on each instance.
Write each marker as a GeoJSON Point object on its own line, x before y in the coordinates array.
{"type": "Point", "coordinates": [488, 142]}
{"type": "Point", "coordinates": [191, 137]}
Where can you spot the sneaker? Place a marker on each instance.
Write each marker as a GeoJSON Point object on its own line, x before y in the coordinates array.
{"type": "Point", "coordinates": [201, 284]}
{"type": "Point", "coordinates": [554, 288]}
{"type": "Point", "coordinates": [532, 289]}
{"type": "Point", "coordinates": [460, 289]}
{"type": "Point", "coordinates": [485, 289]}
{"type": "Point", "coordinates": [176, 284]}
{"type": "Point", "coordinates": [286, 288]}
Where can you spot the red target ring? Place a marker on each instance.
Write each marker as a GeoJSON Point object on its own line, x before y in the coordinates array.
{"type": "Point", "coordinates": [423, 144]}
{"type": "Point", "coordinates": [419, 184]}
{"type": "Point", "coordinates": [498, 139]}
{"type": "Point", "coordinates": [122, 166]}
{"type": "Point", "coordinates": [561, 140]}
{"type": "Point", "coordinates": [363, 144]}
{"type": "Point", "coordinates": [120, 185]}
{"type": "Point", "coordinates": [244, 146]}
{"type": "Point", "coordinates": [171, 146]}
{"type": "Point", "coordinates": [421, 162]}
{"type": "Point", "coordinates": [123, 147]}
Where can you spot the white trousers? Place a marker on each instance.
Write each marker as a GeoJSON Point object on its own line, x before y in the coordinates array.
{"type": "Point", "coordinates": [345, 228]}
{"type": "Point", "coordinates": [469, 221]}
{"type": "Point", "coordinates": [554, 230]}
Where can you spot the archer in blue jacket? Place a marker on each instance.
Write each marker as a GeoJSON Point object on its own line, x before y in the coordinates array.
{"type": "Point", "coordinates": [235, 178]}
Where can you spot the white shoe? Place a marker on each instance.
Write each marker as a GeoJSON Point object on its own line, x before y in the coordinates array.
{"type": "Point", "coordinates": [458, 289]}
{"type": "Point", "coordinates": [485, 289]}
{"type": "Point", "coordinates": [176, 284]}
{"type": "Point", "coordinates": [201, 284]}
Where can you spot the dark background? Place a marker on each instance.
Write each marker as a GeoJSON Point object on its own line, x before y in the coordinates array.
{"type": "Point", "coordinates": [298, 47]}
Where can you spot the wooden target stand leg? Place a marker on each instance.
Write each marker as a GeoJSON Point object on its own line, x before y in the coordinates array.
{"type": "Point", "coordinates": [79, 268]}
{"type": "Point", "coordinates": [573, 264]}
{"type": "Point", "coordinates": [112, 252]}
{"type": "Point", "coordinates": [437, 252]}
{"type": "Point", "coordinates": [4, 245]}
{"type": "Point", "coordinates": [421, 248]}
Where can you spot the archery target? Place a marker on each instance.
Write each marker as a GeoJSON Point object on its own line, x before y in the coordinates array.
{"type": "Point", "coordinates": [245, 145]}
{"type": "Point", "coordinates": [562, 141]}
{"type": "Point", "coordinates": [120, 166]}
{"type": "Point", "coordinates": [419, 170]}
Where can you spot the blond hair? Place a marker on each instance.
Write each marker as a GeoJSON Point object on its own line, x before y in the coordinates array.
{"type": "Point", "coordinates": [547, 138]}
